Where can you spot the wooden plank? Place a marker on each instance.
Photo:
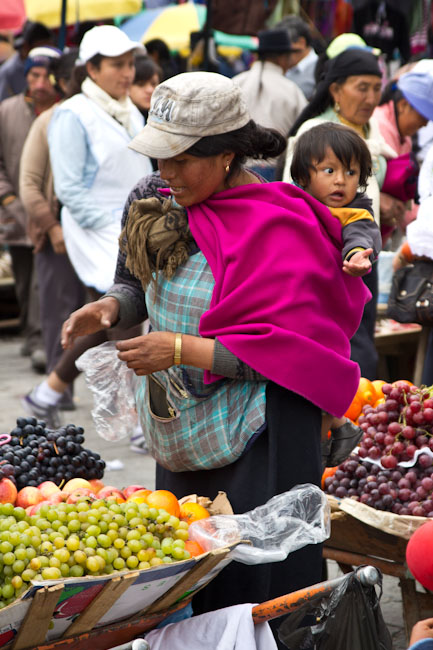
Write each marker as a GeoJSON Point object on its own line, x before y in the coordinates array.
{"type": "Point", "coordinates": [411, 609]}
{"type": "Point", "coordinates": [100, 605]}
{"type": "Point", "coordinates": [420, 355]}
{"type": "Point", "coordinates": [353, 536]}
{"type": "Point", "coordinates": [187, 582]}
{"type": "Point", "coordinates": [349, 560]}
{"type": "Point", "coordinates": [34, 628]}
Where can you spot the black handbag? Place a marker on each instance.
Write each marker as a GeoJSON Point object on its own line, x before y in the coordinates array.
{"type": "Point", "coordinates": [411, 296]}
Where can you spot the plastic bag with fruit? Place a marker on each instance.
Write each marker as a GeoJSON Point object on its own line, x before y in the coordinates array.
{"type": "Point", "coordinates": [112, 384]}
{"type": "Point", "coordinates": [284, 524]}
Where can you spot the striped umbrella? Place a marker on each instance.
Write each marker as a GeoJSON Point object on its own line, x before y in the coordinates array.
{"type": "Point", "coordinates": [174, 24]}
{"type": "Point", "coordinates": [49, 12]}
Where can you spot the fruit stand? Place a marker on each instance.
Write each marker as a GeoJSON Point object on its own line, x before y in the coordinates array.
{"type": "Point", "coordinates": [383, 492]}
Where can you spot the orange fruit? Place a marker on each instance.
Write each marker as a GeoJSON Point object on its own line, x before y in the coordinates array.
{"type": "Point", "coordinates": [366, 391]}
{"type": "Point", "coordinates": [139, 496]}
{"type": "Point", "coordinates": [190, 512]}
{"type": "Point", "coordinates": [354, 410]}
{"type": "Point", "coordinates": [164, 500]}
{"type": "Point", "coordinates": [377, 385]}
{"type": "Point", "coordinates": [194, 548]}
{"type": "Point", "coordinates": [329, 471]}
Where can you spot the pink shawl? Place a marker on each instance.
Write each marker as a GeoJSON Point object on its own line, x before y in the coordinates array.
{"type": "Point", "coordinates": [281, 302]}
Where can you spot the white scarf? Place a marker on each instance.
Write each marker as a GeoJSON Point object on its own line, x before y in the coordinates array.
{"type": "Point", "coordinates": [119, 109]}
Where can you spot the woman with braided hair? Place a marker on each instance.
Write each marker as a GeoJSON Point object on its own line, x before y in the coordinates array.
{"type": "Point", "coordinates": [250, 317]}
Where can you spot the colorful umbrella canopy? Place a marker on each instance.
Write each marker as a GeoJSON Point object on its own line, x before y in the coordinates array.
{"type": "Point", "coordinates": [12, 14]}
{"type": "Point", "coordinates": [174, 24]}
{"type": "Point", "coordinates": [49, 12]}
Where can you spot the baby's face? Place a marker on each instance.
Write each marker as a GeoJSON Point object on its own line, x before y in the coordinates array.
{"type": "Point", "coordinates": [331, 182]}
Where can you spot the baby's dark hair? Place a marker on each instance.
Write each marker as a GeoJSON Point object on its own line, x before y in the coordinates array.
{"type": "Point", "coordinates": [346, 144]}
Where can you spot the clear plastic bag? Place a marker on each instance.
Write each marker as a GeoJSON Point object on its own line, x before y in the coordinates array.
{"type": "Point", "coordinates": [284, 524]}
{"type": "Point", "coordinates": [113, 386]}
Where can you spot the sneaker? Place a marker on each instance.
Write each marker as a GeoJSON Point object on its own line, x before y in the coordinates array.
{"type": "Point", "coordinates": [343, 440]}
{"type": "Point", "coordinates": [138, 444]}
{"type": "Point", "coordinates": [49, 414]}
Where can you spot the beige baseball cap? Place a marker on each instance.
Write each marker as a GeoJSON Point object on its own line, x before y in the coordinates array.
{"type": "Point", "coordinates": [188, 107]}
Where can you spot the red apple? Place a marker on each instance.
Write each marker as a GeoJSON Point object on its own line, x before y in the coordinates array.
{"type": "Point", "coordinates": [8, 491]}
{"type": "Point", "coordinates": [81, 492]}
{"type": "Point", "coordinates": [96, 485]}
{"type": "Point", "coordinates": [47, 488]}
{"type": "Point", "coordinates": [130, 489]}
{"type": "Point", "coordinates": [74, 484]}
{"type": "Point", "coordinates": [28, 496]}
{"type": "Point", "coordinates": [109, 491]}
{"type": "Point", "coordinates": [57, 497]}
{"type": "Point", "coordinates": [32, 510]}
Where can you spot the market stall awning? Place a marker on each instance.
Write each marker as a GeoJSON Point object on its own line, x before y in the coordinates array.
{"type": "Point", "coordinates": [174, 24]}
{"type": "Point", "coordinates": [49, 12]}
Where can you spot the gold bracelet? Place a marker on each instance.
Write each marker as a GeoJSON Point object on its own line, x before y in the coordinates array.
{"type": "Point", "coordinates": [177, 359]}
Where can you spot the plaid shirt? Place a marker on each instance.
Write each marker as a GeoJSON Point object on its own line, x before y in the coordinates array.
{"type": "Point", "coordinates": [211, 424]}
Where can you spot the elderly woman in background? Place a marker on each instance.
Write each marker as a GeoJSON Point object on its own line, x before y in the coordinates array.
{"type": "Point", "coordinates": [238, 364]}
{"type": "Point", "coordinates": [348, 93]}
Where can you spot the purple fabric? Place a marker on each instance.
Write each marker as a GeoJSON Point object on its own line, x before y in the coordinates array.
{"type": "Point", "coordinates": [281, 301]}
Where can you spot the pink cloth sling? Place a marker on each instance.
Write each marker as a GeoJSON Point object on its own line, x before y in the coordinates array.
{"type": "Point", "coordinates": [281, 301]}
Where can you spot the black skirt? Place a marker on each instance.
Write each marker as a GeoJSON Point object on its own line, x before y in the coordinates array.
{"type": "Point", "coordinates": [286, 454]}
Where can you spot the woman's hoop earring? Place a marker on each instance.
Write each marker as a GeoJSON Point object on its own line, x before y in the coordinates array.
{"type": "Point", "coordinates": [337, 108]}
{"type": "Point", "coordinates": [227, 168]}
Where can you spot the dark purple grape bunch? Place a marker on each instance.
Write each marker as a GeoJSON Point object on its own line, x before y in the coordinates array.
{"type": "Point", "coordinates": [403, 491]}
{"type": "Point", "coordinates": [36, 454]}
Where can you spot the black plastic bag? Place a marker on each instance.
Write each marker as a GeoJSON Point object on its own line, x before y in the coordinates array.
{"type": "Point", "coordinates": [350, 617]}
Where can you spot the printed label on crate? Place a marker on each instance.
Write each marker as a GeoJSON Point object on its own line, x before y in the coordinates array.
{"type": "Point", "coordinates": [11, 619]}
{"type": "Point", "coordinates": [150, 585]}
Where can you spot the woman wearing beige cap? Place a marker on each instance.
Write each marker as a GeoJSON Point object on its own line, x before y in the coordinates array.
{"type": "Point", "coordinates": [242, 286]}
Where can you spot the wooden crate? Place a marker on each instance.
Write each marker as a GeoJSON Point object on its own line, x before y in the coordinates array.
{"type": "Point", "coordinates": [83, 634]}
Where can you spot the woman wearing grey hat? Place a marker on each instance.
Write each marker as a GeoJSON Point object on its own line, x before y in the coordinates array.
{"type": "Point", "coordinates": [248, 342]}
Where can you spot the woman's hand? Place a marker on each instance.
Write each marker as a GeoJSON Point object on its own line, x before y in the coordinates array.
{"type": "Point", "coordinates": [392, 211]}
{"type": "Point", "coordinates": [55, 234]}
{"type": "Point", "coordinates": [155, 351]}
{"type": "Point", "coordinates": [359, 264]}
{"type": "Point", "coordinates": [91, 318]}
{"type": "Point", "coordinates": [422, 630]}
{"type": "Point", "coordinates": [148, 353]}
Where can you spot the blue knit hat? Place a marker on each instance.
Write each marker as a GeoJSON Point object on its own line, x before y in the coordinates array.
{"type": "Point", "coordinates": [41, 57]}
{"type": "Point", "coordinates": [417, 89]}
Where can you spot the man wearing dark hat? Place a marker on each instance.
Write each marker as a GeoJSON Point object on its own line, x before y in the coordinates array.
{"type": "Point", "coordinates": [16, 116]}
{"type": "Point", "coordinates": [272, 100]}
{"type": "Point", "coordinates": [12, 75]}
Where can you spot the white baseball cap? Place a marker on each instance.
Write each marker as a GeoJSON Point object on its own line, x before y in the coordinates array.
{"type": "Point", "coordinates": [106, 40]}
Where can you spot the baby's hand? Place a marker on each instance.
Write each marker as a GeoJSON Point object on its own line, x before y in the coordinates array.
{"type": "Point", "coordinates": [359, 264]}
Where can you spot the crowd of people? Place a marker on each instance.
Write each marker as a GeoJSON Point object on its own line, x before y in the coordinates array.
{"type": "Point", "coordinates": [241, 219]}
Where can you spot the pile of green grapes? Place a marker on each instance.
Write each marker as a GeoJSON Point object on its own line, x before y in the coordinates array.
{"type": "Point", "coordinates": [76, 539]}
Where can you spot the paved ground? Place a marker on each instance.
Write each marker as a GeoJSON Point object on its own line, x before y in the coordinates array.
{"type": "Point", "coordinates": [16, 379]}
